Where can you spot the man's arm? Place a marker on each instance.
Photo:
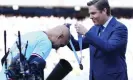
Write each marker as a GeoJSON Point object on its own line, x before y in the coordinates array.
{"type": "Point", "coordinates": [116, 41]}
{"type": "Point", "coordinates": [42, 49]}
{"type": "Point", "coordinates": [40, 53]}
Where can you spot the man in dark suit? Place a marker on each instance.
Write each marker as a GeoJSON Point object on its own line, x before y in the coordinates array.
{"type": "Point", "coordinates": [107, 41]}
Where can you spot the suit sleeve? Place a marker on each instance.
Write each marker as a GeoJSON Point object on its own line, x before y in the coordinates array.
{"type": "Point", "coordinates": [116, 41]}
{"type": "Point", "coordinates": [85, 44]}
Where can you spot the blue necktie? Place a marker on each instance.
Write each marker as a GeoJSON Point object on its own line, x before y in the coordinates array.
{"type": "Point", "coordinates": [100, 30]}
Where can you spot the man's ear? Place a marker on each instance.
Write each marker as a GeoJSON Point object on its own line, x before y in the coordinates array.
{"type": "Point", "coordinates": [60, 36]}
{"type": "Point", "coordinates": [105, 10]}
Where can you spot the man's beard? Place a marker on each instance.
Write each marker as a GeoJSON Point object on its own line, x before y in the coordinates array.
{"type": "Point", "coordinates": [55, 47]}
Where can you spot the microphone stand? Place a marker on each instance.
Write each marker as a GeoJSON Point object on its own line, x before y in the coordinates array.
{"type": "Point", "coordinates": [21, 57]}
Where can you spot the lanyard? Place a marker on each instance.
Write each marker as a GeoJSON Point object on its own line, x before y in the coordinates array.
{"type": "Point", "coordinates": [80, 46]}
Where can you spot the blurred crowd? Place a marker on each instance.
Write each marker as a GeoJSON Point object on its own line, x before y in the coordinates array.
{"type": "Point", "coordinates": [27, 24]}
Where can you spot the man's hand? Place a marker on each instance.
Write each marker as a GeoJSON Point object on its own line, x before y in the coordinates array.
{"type": "Point", "coordinates": [81, 29]}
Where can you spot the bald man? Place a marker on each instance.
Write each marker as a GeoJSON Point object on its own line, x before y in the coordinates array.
{"type": "Point", "coordinates": [40, 44]}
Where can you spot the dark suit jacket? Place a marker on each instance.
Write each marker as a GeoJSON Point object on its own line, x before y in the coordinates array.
{"type": "Point", "coordinates": [107, 52]}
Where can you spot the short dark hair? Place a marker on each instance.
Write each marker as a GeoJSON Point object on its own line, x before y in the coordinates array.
{"type": "Point", "coordinates": [100, 5]}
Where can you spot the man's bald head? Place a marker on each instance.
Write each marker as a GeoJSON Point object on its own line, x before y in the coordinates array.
{"type": "Point", "coordinates": [65, 31]}
{"type": "Point", "coordinates": [60, 36]}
